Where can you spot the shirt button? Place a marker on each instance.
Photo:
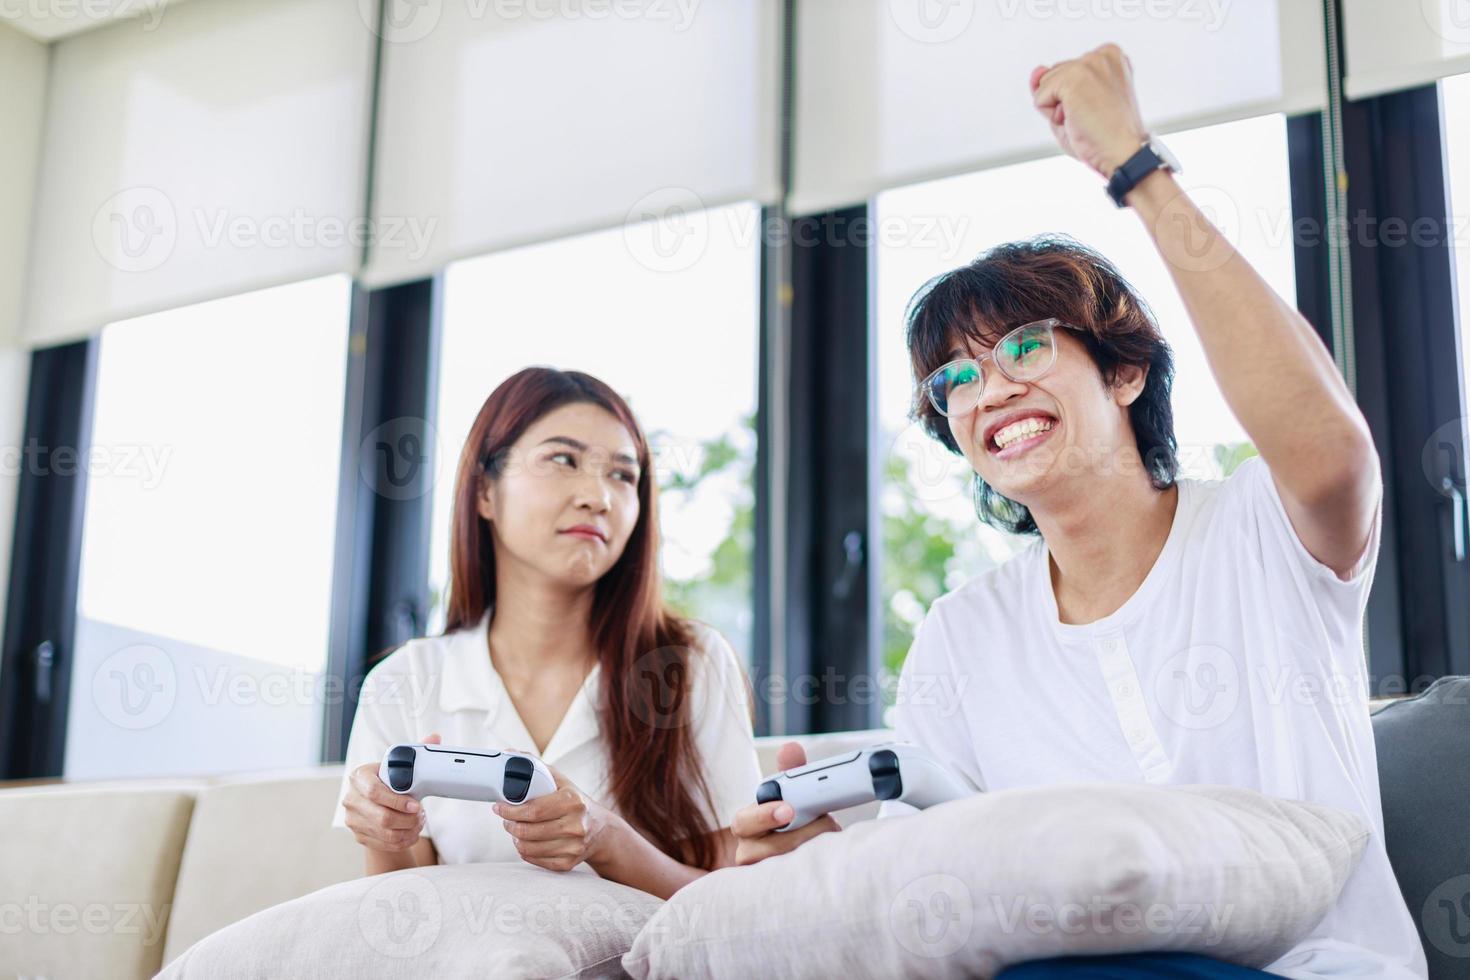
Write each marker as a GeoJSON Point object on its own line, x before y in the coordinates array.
{"type": "Point", "coordinates": [1135, 736]}
{"type": "Point", "coordinates": [1110, 646]}
{"type": "Point", "coordinates": [1125, 690]}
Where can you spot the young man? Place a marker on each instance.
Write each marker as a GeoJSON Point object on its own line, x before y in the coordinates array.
{"type": "Point", "coordinates": [1160, 630]}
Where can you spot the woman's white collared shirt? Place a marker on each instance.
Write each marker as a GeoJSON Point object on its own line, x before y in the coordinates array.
{"type": "Point", "coordinates": [447, 684]}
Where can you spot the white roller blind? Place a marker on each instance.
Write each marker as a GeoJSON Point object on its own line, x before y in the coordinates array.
{"type": "Point", "coordinates": [505, 122]}
{"type": "Point", "coordinates": [892, 92]}
{"type": "Point", "coordinates": [1397, 44]}
{"type": "Point", "coordinates": [22, 101]}
{"type": "Point", "coordinates": [220, 150]}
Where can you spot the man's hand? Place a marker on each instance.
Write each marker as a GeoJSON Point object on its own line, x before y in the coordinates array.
{"type": "Point", "coordinates": [1091, 107]}
{"type": "Point", "coordinates": [755, 826]}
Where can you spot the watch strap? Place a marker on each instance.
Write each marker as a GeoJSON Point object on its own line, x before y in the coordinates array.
{"type": "Point", "coordinates": [1137, 167]}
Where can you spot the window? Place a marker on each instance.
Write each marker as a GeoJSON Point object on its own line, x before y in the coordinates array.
{"type": "Point", "coordinates": [932, 539]}
{"type": "Point", "coordinates": [206, 565]}
{"type": "Point", "coordinates": [1455, 94]}
{"type": "Point", "coordinates": [670, 323]}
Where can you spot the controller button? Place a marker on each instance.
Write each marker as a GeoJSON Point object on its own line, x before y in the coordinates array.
{"type": "Point", "coordinates": [768, 791]}
{"type": "Point", "coordinates": [887, 780]}
{"type": "Point", "coordinates": [400, 767]}
{"type": "Point", "coordinates": [517, 783]}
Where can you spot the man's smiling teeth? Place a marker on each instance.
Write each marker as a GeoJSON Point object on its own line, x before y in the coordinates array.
{"type": "Point", "coordinates": [1021, 430]}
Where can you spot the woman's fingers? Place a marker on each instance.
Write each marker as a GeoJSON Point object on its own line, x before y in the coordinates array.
{"type": "Point", "coordinates": [547, 849]}
{"type": "Point", "coordinates": [562, 827]}
{"type": "Point", "coordinates": [552, 806]}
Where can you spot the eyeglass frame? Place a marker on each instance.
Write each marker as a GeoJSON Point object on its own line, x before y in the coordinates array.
{"type": "Point", "coordinates": [924, 389]}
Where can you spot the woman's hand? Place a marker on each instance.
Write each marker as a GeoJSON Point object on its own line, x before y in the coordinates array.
{"type": "Point", "coordinates": [1091, 106]}
{"type": "Point", "coordinates": [562, 829]}
{"type": "Point", "coordinates": [379, 818]}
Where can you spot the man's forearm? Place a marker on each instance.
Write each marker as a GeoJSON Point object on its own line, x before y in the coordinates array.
{"type": "Point", "coordinates": [1274, 372]}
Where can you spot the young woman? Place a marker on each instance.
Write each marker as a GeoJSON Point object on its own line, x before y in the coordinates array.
{"type": "Point", "coordinates": [558, 643]}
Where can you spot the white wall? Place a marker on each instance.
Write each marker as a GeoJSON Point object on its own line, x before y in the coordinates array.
{"type": "Point", "coordinates": [22, 100]}
{"type": "Point", "coordinates": [22, 97]}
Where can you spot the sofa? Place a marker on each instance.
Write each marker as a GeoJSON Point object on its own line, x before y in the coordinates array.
{"type": "Point", "coordinates": [147, 868]}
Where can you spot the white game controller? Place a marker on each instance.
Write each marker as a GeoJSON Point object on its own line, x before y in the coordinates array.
{"type": "Point", "coordinates": [890, 771]}
{"type": "Point", "coordinates": [419, 770]}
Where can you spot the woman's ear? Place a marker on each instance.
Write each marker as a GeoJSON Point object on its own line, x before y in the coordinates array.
{"type": "Point", "coordinates": [485, 500]}
{"type": "Point", "coordinates": [1128, 383]}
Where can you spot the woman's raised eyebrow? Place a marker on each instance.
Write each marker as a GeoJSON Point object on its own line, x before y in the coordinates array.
{"type": "Point", "coordinates": [582, 447]}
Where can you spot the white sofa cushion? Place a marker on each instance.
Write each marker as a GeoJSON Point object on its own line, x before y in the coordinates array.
{"type": "Point", "coordinates": [460, 920]}
{"type": "Point", "coordinates": [87, 877]}
{"type": "Point", "coordinates": [973, 886]}
{"type": "Point", "coordinates": [255, 841]}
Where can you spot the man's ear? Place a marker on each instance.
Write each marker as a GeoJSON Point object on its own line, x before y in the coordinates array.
{"type": "Point", "coordinates": [1128, 383]}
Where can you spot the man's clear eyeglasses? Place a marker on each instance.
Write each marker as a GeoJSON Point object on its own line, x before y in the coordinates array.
{"type": "Point", "coordinates": [1023, 355]}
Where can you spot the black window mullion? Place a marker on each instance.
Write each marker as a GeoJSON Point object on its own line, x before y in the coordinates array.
{"type": "Point", "coordinates": [380, 591]}
{"type": "Point", "coordinates": [831, 652]}
{"type": "Point", "coordinates": [41, 607]}
{"type": "Point", "coordinates": [1403, 307]}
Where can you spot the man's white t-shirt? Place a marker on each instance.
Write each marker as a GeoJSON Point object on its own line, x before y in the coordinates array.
{"type": "Point", "coordinates": [1238, 661]}
{"type": "Point", "coordinates": [447, 684]}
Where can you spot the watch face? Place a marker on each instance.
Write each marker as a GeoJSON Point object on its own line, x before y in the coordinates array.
{"type": "Point", "coordinates": [1166, 155]}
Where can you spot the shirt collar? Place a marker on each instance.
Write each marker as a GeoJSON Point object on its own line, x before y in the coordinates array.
{"type": "Point", "coordinates": [470, 682]}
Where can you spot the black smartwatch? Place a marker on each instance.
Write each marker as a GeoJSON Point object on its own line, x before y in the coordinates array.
{"type": "Point", "coordinates": [1152, 156]}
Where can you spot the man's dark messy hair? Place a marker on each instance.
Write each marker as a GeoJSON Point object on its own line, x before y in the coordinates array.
{"type": "Point", "coordinates": [1020, 282]}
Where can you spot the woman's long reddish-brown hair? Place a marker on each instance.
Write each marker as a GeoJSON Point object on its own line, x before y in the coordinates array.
{"type": "Point", "coordinates": [655, 776]}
